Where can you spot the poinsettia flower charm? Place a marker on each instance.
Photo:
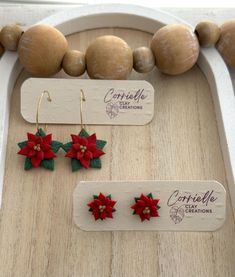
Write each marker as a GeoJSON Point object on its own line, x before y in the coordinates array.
{"type": "Point", "coordinates": [84, 151]}
{"type": "Point", "coordinates": [146, 206]}
{"type": "Point", "coordinates": [39, 150]}
{"type": "Point", "coordinates": [102, 206]}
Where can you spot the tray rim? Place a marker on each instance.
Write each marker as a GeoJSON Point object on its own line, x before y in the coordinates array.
{"type": "Point", "coordinates": [143, 19]}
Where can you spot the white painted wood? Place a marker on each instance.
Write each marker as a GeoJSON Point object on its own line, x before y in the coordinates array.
{"type": "Point", "coordinates": [108, 102]}
{"type": "Point", "coordinates": [114, 15]}
{"type": "Point", "coordinates": [185, 205]}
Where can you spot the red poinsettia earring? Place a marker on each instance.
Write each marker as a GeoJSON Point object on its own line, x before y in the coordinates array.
{"type": "Point", "coordinates": [102, 206]}
{"type": "Point", "coordinates": [146, 206]}
{"type": "Point", "coordinates": [39, 149]}
{"type": "Point", "coordinates": [84, 150]}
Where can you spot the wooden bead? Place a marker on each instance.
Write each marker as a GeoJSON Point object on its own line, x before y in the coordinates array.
{"type": "Point", "coordinates": [1, 49]}
{"type": "Point", "coordinates": [143, 59]}
{"type": "Point", "coordinates": [74, 63]}
{"type": "Point", "coordinates": [41, 50]}
{"type": "Point", "coordinates": [207, 33]}
{"type": "Point", "coordinates": [226, 42]}
{"type": "Point", "coordinates": [176, 49]}
{"type": "Point", "coordinates": [10, 36]}
{"type": "Point", "coordinates": [109, 57]}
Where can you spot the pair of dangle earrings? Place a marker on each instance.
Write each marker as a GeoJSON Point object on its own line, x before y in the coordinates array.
{"type": "Point", "coordinates": [40, 150]}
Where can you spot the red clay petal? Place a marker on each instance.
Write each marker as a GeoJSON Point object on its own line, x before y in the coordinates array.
{"type": "Point", "coordinates": [88, 155]}
{"type": "Point", "coordinates": [79, 155]}
{"type": "Point", "coordinates": [31, 137]}
{"type": "Point", "coordinates": [45, 147]}
{"type": "Point", "coordinates": [74, 138]}
{"type": "Point", "coordinates": [31, 144]}
{"type": "Point", "coordinates": [40, 155]}
{"type": "Point", "coordinates": [49, 155]}
{"type": "Point", "coordinates": [92, 139]}
{"type": "Point", "coordinates": [32, 153]}
{"type": "Point", "coordinates": [83, 141]}
{"type": "Point", "coordinates": [24, 151]}
{"type": "Point", "coordinates": [71, 154]}
{"type": "Point", "coordinates": [35, 162]}
{"type": "Point", "coordinates": [98, 153]}
{"type": "Point", "coordinates": [85, 163]}
{"type": "Point", "coordinates": [76, 146]}
{"type": "Point", "coordinates": [47, 139]}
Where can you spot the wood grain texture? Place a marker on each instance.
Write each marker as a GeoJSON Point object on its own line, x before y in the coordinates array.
{"type": "Point", "coordinates": [37, 234]}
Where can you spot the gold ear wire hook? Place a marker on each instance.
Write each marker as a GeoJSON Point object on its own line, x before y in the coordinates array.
{"type": "Point", "coordinates": [82, 99]}
{"type": "Point", "coordinates": [38, 107]}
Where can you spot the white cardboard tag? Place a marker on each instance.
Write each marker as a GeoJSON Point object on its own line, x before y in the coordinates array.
{"type": "Point", "coordinates": [107, 102]}
{"type": "Point", "coordinates": [184, 205]}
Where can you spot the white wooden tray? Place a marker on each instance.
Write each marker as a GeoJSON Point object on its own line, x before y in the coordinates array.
{"type": "Point", "coordinates": [144, 19]}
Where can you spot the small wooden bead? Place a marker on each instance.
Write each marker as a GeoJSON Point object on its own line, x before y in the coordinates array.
{"type": "Point", "coordinates": [1, 49]}
{"type": "Point", "coordinates": [109, 57]}
{"type": "Point", "coordinates": [207, 33]}
{"type": "Point", "coordinates": [175, 48]}
{"type": "Point", "coordinates": [41, 50]}
{"type": "Point", "coordinates": [10, 36]}
{"type": "Point", "coordinates": [226, 42]}
{"type": "Point", "coordinates": [143, 59]}
{"type": "Point", "coordinates": [74, 63]}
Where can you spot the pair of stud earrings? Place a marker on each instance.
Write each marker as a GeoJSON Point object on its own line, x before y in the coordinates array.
{"type": "Point", "coordinates": [145, 206]}
{"type": "Point", "coordinates": [40, 150]}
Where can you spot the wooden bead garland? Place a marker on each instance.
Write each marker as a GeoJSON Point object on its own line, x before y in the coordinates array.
{"type": "Point", "coordinates": [207, 33]}
{"type": "Point", "coordinates": [143, 59]}
{"type": "Point", "coordinates": [226, 43]}
{"type": "Point", "coordinates": [74, 63]}
{"type": "Point", "coordinates": [176, 49]}
{"type": "Point", "coordinates": [10, 36]}
{"type": "Point", "coordinates": [109, 57]}
{"type": "Point", "coordinates": [41, 50]}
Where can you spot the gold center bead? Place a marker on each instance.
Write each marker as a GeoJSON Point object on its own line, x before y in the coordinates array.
{"type": "Point", "coordinates": [37, 147]}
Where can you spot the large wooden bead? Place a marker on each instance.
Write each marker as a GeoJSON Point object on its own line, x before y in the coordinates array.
{"type": "Point", "coordinates": [143, 59]}
{"type": "Point", "coordinates": [74, 63]}
{"type": "Point", "coordinates": [41, 50]}
{"type": "Point", "coordinates": [109, 57]}
{"type": "Point", "coordinates": [1, 49]}
{"type": "Point", "coordinates": [208, 33]}
{"type": "Point", "coordinates": [10, 36]}
{"type": "Point", "coordinates": [176, 49]}
{"type": "Point", "coordinates": [226, 43]}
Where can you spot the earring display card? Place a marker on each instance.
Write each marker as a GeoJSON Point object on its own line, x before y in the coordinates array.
{"type": "Point", "coordinates": [183, 205]}
{"type": "Point", "coordinates": [108, 102]}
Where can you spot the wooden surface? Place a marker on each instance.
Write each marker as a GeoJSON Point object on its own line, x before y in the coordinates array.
{"type": "Point", "coordinates": [37, 233]}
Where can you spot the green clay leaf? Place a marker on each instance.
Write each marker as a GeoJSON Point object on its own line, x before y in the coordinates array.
{"type": "Point", "coordinates": [95, 196]}
{"type": "Point", "coordinates": [95, 163]}
{"type": "Point", "coordinates": [90, 210]}
{"type": "Point", "coordinates": [22, 144]}
{"type": "Point", "coordinates": [100, 144]}
{"type": "Point", "coordinates": [158, 207]}
{"type": "Point", "coordinates": [83, 133]}
{"type": "Point", "coordinates": [48, 164]}
{"type": "Point", "coordinates": [150, 195]}
{"type": "Point", "coordinates": [66, 147]}
{"type": "Point", "coordinates": [109, 196]}
{"type": "Point", "coordinates": [55, 146]}
{"type": "Point", "coordinates": [40, 133]}
{"type": "Point", "coordinates": [28, 165]}
{"type": "Point", "coordinates": [137, 199]}
{"type": "Point", "coordinates": [76, 165]}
